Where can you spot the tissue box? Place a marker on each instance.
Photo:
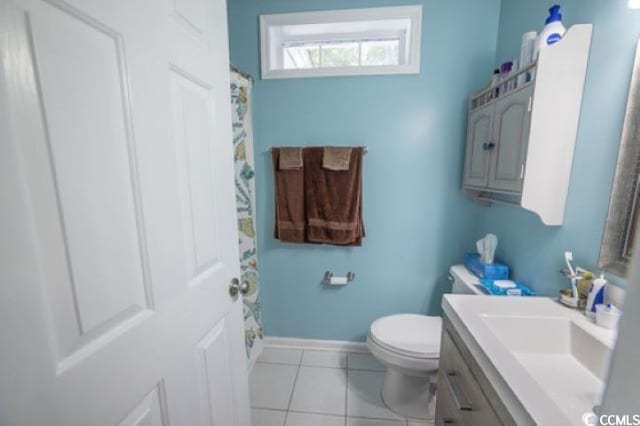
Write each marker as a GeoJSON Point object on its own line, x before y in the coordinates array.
{"type": "Point", "coordinates": [489, 271]}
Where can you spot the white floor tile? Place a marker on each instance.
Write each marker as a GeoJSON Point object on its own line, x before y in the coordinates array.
{"type": "Point", "coordinates": [308, 419]}
{"type": "Point", "coordinates": [364, 361]}
{"type": "Point", "coordinates": [363, 397]}
{"type": "Point", "coordinates": [333, 359]}
{"type": "Point", "coordinates": [374, 422]}
{"type": "Point", "coordinates": [320, 390]}
{"type": "Point", "coordinates": [281, 356]}
{"type": "Point", "coordinates": [261, 417]}
{"type": "Point", "coordinates": [271, 385]}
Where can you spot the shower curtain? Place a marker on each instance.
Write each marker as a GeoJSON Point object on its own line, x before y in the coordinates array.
{"type": "Point", "coordinates": [246, 202]}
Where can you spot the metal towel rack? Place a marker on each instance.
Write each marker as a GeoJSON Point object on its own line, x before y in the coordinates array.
{"type": "Point", "coordinates": [364, 148]}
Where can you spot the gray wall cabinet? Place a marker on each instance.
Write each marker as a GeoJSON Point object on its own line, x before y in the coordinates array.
{"type": "Point", "coordinates": [497, 139]}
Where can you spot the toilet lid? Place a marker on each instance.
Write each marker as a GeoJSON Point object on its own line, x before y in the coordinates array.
{"type": "Point", "coordinates": [413, 335]}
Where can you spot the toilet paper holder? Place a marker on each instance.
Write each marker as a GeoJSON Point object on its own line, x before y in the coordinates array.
{"type": "Point", "coordinates": [329, 275]}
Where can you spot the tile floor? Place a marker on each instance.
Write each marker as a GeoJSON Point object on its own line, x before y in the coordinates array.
{"type": "Point", "coordinates": [295, 387]}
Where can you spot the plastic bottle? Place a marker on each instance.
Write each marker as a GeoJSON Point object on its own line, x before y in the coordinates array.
{"type": "Point", "coordinates": [552, 32]}
{"type": "Point", "coordinates": [596, 296]}
{"type": "Point", "coordinates": [526, 55]}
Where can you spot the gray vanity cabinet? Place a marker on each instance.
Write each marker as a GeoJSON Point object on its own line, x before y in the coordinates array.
{"type": "Point", "coordinates": [497, 139]}
{"type": "Point", "coordinates": [479, 135]}
{"type": "Point", "coordinates": [465, 396]}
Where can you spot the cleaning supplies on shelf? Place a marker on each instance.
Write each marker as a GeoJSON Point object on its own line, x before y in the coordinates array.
{"type": "Point", "coordinates": [607, 316]}
{"type": "Point", "coordinates": [505, 72]}
{"type": "Point", "coordinates": [493, 271]}
{"type": "Point", "coordinates": [553, 30]}
{"type": "Point", "coordinates": [526, 56]}
{"type": "Point", "coordinates": [506, 288]}
{"type": "Point", "coordinates": [596, 296]}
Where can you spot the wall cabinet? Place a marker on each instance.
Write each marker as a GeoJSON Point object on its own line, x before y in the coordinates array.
{"type": "Point", "coordinates": [520, 144]}
{"type": "Point", "coordinates": [498, 135]}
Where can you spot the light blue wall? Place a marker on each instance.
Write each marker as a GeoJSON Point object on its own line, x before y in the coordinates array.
{"type": "Point", "coordinates": [416, 217]}
{"type": "Point", "coordinates": [534, 251]}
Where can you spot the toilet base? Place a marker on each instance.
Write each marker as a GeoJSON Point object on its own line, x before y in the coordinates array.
{"type": "Point", "coordinates": [410, 396]}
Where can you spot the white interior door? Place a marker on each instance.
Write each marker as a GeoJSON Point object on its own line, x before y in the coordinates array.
{"type": "Point", "coordinates": [118, 232]}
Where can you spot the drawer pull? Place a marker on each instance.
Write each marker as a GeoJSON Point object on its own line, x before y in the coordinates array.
{"type": "Point", "coordinates": [448, 422]}
{"type": "Point", "coordinates": [463, 404]}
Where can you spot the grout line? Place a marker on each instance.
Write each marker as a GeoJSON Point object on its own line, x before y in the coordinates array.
{"type": "Point", "coordinates": [346, 394]}
{"type": "Point", "coordinates": [277, 363]}
{"type": "Point", "coordinates": [293, 389]}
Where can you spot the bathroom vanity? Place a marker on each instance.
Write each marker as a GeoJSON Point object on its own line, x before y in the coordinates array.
{"type": "Point", "coordinates": [518, 361]}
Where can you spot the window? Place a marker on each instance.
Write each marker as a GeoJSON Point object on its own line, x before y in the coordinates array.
{"type": "Point", "coordinates": [341, 42]}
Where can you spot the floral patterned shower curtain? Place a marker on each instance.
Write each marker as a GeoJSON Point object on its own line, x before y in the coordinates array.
{"type": "Point", "coordinates": [246, 202]}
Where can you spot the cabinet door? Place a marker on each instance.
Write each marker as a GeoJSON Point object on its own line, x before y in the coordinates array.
{"type": "Point", "coordinates": [477, 159]}
{"type": "Point", "coordinates": [461, 400]}
{"type": "Point", "coordinates": [512, 121]}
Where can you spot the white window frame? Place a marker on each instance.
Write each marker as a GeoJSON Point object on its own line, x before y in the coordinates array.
{"type": "Point", "coordinates": [271, 45]}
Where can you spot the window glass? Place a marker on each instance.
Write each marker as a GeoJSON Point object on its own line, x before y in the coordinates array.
{"type": "Point", "coordinates": [381, 52]}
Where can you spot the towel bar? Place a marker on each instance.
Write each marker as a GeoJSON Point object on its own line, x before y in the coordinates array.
{"type": "Point", "coordinates": [366, 149]}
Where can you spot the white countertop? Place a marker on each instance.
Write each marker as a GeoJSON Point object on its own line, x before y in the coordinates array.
{"type": "Point", "coordinates": [551, 390]}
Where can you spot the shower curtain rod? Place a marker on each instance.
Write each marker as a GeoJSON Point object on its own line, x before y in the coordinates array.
{"type": "Point", "coordinates": [365, 148]}
{"type": "Point", "coordinates": [244, 74]}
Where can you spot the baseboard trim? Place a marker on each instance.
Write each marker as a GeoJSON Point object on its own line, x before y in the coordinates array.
{"type": "Point", "coordinates": [327, 345]}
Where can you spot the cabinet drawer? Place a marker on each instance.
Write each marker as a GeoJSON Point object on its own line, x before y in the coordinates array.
{"type": "Point", "coordinates": [463, 402]}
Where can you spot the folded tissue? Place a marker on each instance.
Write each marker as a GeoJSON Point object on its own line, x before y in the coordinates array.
{"type": "Point", "coordinates": [487, 248]}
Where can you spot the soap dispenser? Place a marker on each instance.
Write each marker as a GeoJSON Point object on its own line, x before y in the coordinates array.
{"type": "Point", "coordinates": [596, 296]}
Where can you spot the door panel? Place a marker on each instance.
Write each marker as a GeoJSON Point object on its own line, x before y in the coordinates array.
{"type": "Point", "coordinates": [479, 134]}
{"type": "Point", "coordinates": [512, 122]}
{"type": "Point", "coordinates": [118, 216]}
{"type": "Point", "coordinates": [101, 263]}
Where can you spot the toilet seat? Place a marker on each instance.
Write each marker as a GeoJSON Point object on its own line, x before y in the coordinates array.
{"type": "Point", "coordinates": [408, 335]}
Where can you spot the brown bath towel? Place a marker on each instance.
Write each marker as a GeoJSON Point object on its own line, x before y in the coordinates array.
{"type": "Point", "coordinates": [289, 201]}
{"type": "Point", "coordinates": [333, 200]}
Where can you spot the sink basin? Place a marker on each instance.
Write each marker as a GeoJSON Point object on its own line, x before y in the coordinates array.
{"type": "Point", "coordinates": [551, 337]}
{"type": "Point", "coordinates": [561, 356]}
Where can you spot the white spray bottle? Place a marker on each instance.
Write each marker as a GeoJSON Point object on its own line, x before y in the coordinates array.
{"type": "Point", "coordinates": [596, 296]}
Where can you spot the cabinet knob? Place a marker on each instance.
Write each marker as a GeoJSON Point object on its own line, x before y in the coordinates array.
{"type": "Point", "coordinates": [491, 145]}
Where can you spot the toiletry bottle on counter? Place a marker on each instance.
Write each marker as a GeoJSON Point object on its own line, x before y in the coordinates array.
{"type": "Point", "coordinates": [553, 30]}
{"type": "Point", "coordinates": [596, 296]}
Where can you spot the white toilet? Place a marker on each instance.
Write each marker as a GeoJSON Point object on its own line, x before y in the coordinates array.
{"type": "Point", "coordinates": [409, 346]}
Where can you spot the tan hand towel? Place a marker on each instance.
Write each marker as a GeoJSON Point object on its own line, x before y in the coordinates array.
{"type": "Point", "coordinates": [336, 158]}
{"type": "Point", "coordinates": [289, 200]}
{"type": "Point", "coordinates": [290, 158]}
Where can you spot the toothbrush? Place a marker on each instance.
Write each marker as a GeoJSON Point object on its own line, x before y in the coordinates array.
{"type": "Point", "coordinates": [568, 258]}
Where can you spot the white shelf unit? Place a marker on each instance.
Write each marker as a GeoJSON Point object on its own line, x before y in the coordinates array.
{"type": "Point", "coordinates": [528, 163]}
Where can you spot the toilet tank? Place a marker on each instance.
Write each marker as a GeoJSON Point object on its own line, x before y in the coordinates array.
{"type": "Point", "coordinates": [464, 281]}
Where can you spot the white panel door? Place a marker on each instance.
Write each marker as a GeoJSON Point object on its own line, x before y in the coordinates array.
{"type": "Point", "coordinates": [118, 236]}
